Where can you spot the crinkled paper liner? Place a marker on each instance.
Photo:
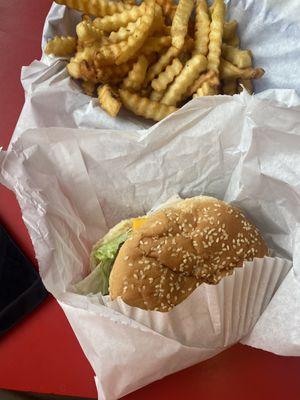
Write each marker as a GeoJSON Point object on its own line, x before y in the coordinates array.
{"type": "Point", "coordinates": [216, 316]}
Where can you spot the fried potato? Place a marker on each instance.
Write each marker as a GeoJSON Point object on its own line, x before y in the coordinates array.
{"type": "Point", "coordinates": [229, 30]}
{"type": "Point", "coordinates": [168, 8]}
{"type": "Point", "coordinates": [247, 84]}
{"type": "Point", "coordinates": [215, 36]}
{"type": "Point", "coordinates": [121, 52]}
{"type": "Point", "coordinates": [109, 100]}
{"type": "Point", "coordinates": [74, 70]}
{"type": "Point", "coordinates": [144, 107]}
{"type": "Point", "coordinates": [189, 73]}
{"type": "Point", "coordinates": [88, 87]}
{"type": "Point", "coordinates": [114, 22]}
{"type": "Point", "coordinates": [180, 21]}
{"type": "Point", "coordinates": [230, 87]}
{"type": "Point", "coordinates": [87, 33]}
{"type": "Point", "coordinates": [230, 71]}
{"type": "Point", "coordinates": [156, 96]}
{"type": "Point", "coordinates": [97, 8]}
{"type": "Point", "coordinates": [161, 64]}
{"type": "Point", "coordinates": [240, 58]}
{"type": "Point", "coordinates": [167, 76]}
{"type": "Point", "coordinates": [234, 41]}
{"type": "Point", "coordinates": [61, 46]}
{"type": "Point", "coordinates": [202, 28]}
{"type": "Point", "coordinates": [153, 56]}
{"type": "Point", "coordinates": [136, 76]}
{"type": "Point", "coordinates": [199, 82]}
{"type": "Point", "coordinates": [206, 89]}
{"type": "Point", "coordinates": [155, 44]}
{"type": "Point", "coordinates": [124, 32]}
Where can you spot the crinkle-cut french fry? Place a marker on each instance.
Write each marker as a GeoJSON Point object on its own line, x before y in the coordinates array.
{"type": "Point", "coordinates": [215, 36]}
{"type": "Point", "coordinates": [113, 74]}
{"type": "Point", "coordinates": [74, 69]}
{"type": "Point", "coordinates": [121, 52]}
{"type": "Point", "coordinates": [229, 87]}
{"type": "Point", "coordinates": [144, 107]}
{"type": "Point", "coordinates": [189, 73]}
{"type": "Point", "coordinates": [206, 90]}
{"type": "Point", "coordinates": [87, 33]}
{"type": "Point", "coordinates": [88, 87]}
{"type": "Point", "coordinates": [156, 96]}
{"type": "Point", "coordinates": [240, 58]}
{"type": "Point", "coordinates": [61, 46]}
{"type": "Point", "coordinates": [115, 21]}
{"type": "Point", "coordinates": [161, 64]}
{"type": "Point", "coordinates": [168, 8]}
{"type": "Point", "coordinates": [124, 32]}
{"type": "Point", "coordinates": [180, 22]}
{"type": "Point", "coordinates": [202, 28]}
{"type": "Point", "coordinates": [230, 29]}
{"type": "Point", "coordinates": [234, 41]}
{"type": "Point", "coordinates": [155, 44]}
{"type": "Point", "coordinates": [167, 76]}
{"type": "Point", "coordinates": [158, 20]}
{"type": "Point", "coordinates": [136, 76]}
{"type": "Point", "coordinates": [198, 83]}
{"type": "Point", "coordinates": [230, 71]}
{"type": "Point", "coordinates": [108, 100]}
{"type": "Point", "coordinates": [247, 84]}
{"type": "Point", "coordinates": [97, 8]}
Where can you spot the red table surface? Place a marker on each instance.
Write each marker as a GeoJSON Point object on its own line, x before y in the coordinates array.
{"type": "Point", "coordinates": [41, 354]}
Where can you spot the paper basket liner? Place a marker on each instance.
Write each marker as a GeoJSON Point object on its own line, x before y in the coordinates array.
{"type": "Point", "coordinates": [216, 316]}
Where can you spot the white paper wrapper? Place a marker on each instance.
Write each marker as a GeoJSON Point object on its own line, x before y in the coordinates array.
{"type": "Point", "coordinates": [73, 184]}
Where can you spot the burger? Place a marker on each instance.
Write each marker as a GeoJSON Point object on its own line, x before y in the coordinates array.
{"type": "Point", "coordinates": [154, 262]}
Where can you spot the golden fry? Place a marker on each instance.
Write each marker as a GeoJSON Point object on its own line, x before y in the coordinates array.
{"type": "Point", "coordinates": [108, 100]}
{"type": "Point", "coordinates": [247, 84]}
{"type": "Point", "coordinates": [199, 82]}
{"type": "Point", "coordinates": [167, 76]}
{"type": "Point", "coordinates": [161, 64]}
{"type": "Point", "coordinates": [230, 87]}
{"type": "Point", "coordinates": [61, 46]}
{"type": "Point", "coordinates": [88, 88]}
{"type": "Point", "coordinates": [189, 73]}
{"type": "Point", "coordinates": [115, 21]}
{"type": "Point", "coordinates": [144, 107]}
{"type": "Point", "coordinates": [87, 33]}
{"type": "Point", "coordinates": [240, 58]}
{"type": "Point", "coordinates": [97, 8]}
{"type": "Point", "coordinates": [168, 8]}
{"type": "Point", "coordinates": [124, 32]}
{"type": "Point", "coordinates": [202, 28]}
{"type": "Point", "coordinates": [234, 41]}
{"type": "Point", "coordinates": [121, 52]}
{"type": "Point", "coordinates": [230, 71]}
{"type": "Point", "coordinates": [206, 89]}
{"type": "Point", "coordinates": [136, 76]}
{"type": "Point", "coordinates": [230, 30]}
{"type": "Point", "coordinates": [156, 96]}
{"type": "Point", "coordinates": [180, 22]}
{"type": "Point", "coordinates": [155, 44]}
{"type": "Point", "coordinates": [215, 36]}
{"type": "Point", "coordinates": [74, 70]}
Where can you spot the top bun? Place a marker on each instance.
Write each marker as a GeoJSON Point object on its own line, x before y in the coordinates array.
{"type": "Point", "coordinates": [196, 240]}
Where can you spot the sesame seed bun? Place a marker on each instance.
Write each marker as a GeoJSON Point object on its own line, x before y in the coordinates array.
{"type": "Point", "coordinates": [196, 240]}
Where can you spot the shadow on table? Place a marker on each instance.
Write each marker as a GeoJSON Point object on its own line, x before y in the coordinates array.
{"type": "Point", "coordinates": [12, 395]}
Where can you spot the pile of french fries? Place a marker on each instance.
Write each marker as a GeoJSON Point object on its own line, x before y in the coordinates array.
{"type": "Point", "coordinates": [153, 57]}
